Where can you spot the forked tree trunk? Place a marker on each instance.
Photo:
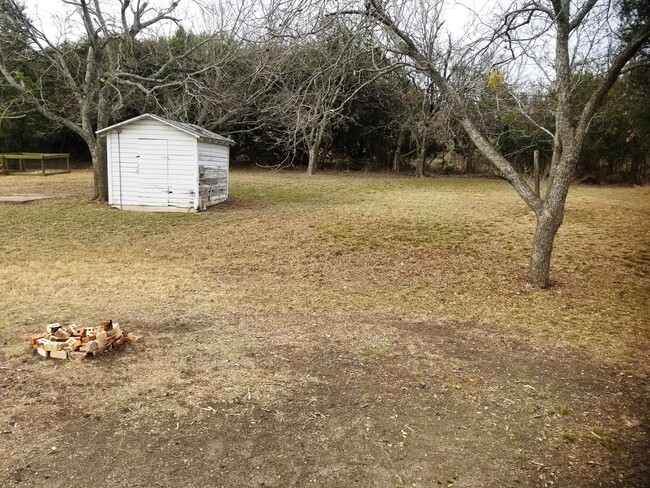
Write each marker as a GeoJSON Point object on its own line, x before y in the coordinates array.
{"type": "Point", "coordinates": [551, 215]}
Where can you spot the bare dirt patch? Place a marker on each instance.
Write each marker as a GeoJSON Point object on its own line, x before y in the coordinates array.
{"type": "Point", "coordinates": [436, 405]}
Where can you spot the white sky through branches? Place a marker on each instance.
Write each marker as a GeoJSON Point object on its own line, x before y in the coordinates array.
{"type": "Point", "coordinates": [51, 15]}
{"type": "Point", "coordinates": [464, 20]}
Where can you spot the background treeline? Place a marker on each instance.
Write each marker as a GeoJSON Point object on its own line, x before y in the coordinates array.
{"type": "Point", "coordinates": [331, 101]}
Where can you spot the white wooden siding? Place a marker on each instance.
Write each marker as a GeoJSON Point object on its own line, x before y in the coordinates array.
{"type": "Point", "coordinates": [178, 175]}
{"type": "Point", "coordinates": [213, 154]}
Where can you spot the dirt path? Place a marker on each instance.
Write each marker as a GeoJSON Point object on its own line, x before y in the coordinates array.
{"type": "Point", "coordinates": [24, 198]}
{"type": "Point", "coordinates": [437, 406]}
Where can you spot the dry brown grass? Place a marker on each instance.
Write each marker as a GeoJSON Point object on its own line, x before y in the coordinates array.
{"type": "Point", "coordinates": [290, 262]}
{"type": "Point", "coordinates": [367, 247]}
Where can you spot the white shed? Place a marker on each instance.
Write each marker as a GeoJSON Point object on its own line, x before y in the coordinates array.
{"type": "Point", "coordinates": [160, 164]}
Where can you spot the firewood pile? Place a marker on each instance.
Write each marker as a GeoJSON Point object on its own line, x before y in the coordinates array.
{"type": "Point", "coordinates": [77, 343]}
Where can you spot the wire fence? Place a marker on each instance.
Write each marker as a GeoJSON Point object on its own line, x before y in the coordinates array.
{"type": "Point", "coordinates": [34, 163]}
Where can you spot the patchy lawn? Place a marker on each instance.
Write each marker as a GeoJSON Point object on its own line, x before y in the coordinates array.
{"type": "Point", "coordinates": [329, 331]}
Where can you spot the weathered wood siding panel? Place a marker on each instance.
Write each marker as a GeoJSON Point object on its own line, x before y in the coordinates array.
{"type": "Point", "coordinates": [213, 174]}
{"type": "Point", "coordinates": [152, 164]}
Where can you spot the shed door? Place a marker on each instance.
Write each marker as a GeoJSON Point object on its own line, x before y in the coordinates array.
{"type": "Point", "coordinates": [153, 171]}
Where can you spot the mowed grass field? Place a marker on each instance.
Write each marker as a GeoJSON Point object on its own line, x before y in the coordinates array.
{"type": "Point", "coordinates": [339, 315]}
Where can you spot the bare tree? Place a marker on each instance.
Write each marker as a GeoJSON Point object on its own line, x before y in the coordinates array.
{"type": "Point", "coordinates": [76, 82]}
{"type": "Point", "coordinates": [227, 73]}
{"type": "Point", "coordinates": [324, 67]}
{"type": "Point", "coordinates": [423, 107]}
{"type": "Point", "coordinates": [312, 94]}
{"type": "Point", "coordinates": [575, 36]}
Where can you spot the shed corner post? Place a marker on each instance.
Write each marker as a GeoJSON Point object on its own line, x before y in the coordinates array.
{"type": "Point", "coordinates": [197, 185]}
{"type": "Point", "coordinates": [228, 174]}
{"type": "Point", "coordinates": [109, 168]}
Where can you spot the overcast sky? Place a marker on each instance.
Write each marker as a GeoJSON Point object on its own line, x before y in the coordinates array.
{"type": "Point", "coordinates": [50, 13]}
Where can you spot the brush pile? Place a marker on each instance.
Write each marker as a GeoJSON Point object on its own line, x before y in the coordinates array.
{"type": "Point", "coordinates": [77, 343]}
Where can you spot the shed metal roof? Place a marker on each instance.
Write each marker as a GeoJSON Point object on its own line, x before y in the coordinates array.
{"type": "Point", "coordinates": [191, 129]}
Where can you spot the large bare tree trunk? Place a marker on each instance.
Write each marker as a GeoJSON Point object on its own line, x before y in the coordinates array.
{"type": "Point", "coordinates": [314, 145]}
{"type": "Point", "coordinates": [98, 148]}
{"type": "Point", "coordinates": [100, 170]}
{"type": "Point", "coordinates": [313, 158]}
{"type": "Point", "coordinates": [540, 257]}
